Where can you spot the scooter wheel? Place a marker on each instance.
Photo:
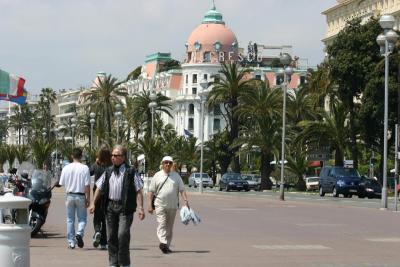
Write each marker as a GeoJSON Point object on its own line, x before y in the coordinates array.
{"type": "Point", "coordinates": [36, 224]}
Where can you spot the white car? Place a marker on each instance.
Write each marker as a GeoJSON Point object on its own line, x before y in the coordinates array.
{"type": "Point", "coordinates": [194, 180]}
{"type": "Point", "coordinates": [312, 183]}
{"type": "Point", "coordinates": [253, 180]}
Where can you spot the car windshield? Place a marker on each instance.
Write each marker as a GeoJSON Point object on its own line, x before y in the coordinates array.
{"type": "Point", "coordinates": [233, 176]}
{"type": "Point", "coordinates": [346, 172]}
{"type": "Point", "coordinates": [247, 177]}
{"type": "Point", "coordinates": [315, 179]}
{"type": "Point", "coordinates": [197, 175]}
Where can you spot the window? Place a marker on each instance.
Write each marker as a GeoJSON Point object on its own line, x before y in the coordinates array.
{"type": "Point", "coordinates": [279, 80]}
{"type": "Point", "coordinates": [194, 78]}
{"type": "Point", "coordinates": [217, 125]}
{"type": "Point", "coordinates": [205, 76]}
{"type": "Point", "coordinates": [189, 56]}
{"type": "Point", "coordinates": [191, 109]}
{"type": "Point", "coordinates": [191, 124]}
{"type": "Point", "coordinates": [187, 79]}
{"type": "Point", "coordinates": [258, 77]}
{"type": "Point", "coordinates": [217, 110]}
{"type": "Point", "coordinates": [194, 91]}
{"type": "Point", "coordinates": [302, 79]}
{"type": "Point", "coordinates": [207, 57]}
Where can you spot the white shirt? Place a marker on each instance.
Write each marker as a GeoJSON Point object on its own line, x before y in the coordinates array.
{"type": "Point", "coordinates": [75, 177]}
{"type": "Point", "coordinates": [168, 196]}
{"type": "Point", "coordinates": [116, 182]}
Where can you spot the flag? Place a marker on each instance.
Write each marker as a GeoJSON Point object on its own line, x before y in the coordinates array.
{"type": "Point", "coordinates": [187, 133]}
{"type": "Point", "coordinates": [11, 85]}
{"type": "Point", "coordinates": [20, 100]}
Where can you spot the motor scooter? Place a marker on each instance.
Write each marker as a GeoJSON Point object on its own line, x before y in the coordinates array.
{"type": "Point", "coordinates": [40, 195]}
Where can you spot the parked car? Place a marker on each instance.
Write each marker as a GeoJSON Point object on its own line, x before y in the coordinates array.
{"type": "Point", "coordinates": [254, 181]}
{"type": "Point", "coordinates": [312, 183]}
{"type": "Point", "coordinates": [370, 188]}
{"type": "Point", "coordinates": [194, 180]}
{"type": "Point", "coordinates": [339, 180]}
{"type": "Point", "coordinates": [233, 181]}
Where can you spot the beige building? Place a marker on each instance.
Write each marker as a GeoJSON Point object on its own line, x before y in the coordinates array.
{"type": "Point", "coordinates": [345, 10]}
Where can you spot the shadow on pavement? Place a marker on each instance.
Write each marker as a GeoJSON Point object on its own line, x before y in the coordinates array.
{"type": "Point", "coordinates": [190, 251]}
{"type": "Point", "coordinates": [48, 236]}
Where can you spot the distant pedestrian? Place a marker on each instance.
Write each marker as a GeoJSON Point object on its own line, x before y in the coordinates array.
{"type": "Point", "coordinates": [166, 185]}
{"type": "Point", "coordinates": [103, 161]}
{"type": "Point", "coordinates": [75, 178]}
{"type": "Point", "coordinates": [121, 192]}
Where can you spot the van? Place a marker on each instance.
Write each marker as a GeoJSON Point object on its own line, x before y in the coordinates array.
{"type": "Point", "coordinates": [339, 180]}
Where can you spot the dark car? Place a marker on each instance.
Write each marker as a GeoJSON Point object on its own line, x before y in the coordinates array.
{"type": "Point", "coordinates": [339, 180]}
{"type": "Point", "coordinates": [370, 188]}
{"type": "Point", "coordinates": [233, 181]}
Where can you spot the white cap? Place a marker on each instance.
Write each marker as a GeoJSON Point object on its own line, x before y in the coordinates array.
{"type": "Point", "coordinates": [167, 158]}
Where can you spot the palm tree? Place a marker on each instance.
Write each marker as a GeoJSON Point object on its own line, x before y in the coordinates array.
{"type": "Point", "coordinates": [297, 164]}
{"type": "Point", "coordinates": [216, 152]}
{"type": "Point", "coordinates": [22, 153]}
{"type": "Point", "coordinates": [41, 152]}
{"type": "Point", "coordinates": [103, 99]}
{"type": "Point", "coordinates": [332, 128]}
{"type": "Point", "coordinates": [227, 88]}
{"type": "Point", "coordinates": [262, 107]}
{"type": "Point", "coordinates": [320, 86]}
{"type": "Point", "coordinates": [186, 152]}
{"type": "Point", "coordinates": [3, 156]}
{"type": "Point", "coordinates": [10, 154]}
{"type": "Point", "coordinates": [139, 108]}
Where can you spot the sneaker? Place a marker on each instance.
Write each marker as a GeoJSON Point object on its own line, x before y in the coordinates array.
{"type": "Point", "coordinates": [71, 246]}
{"type": "Point", "coordinates": [164, 248]}
{"type": "Point", "coordinates": [169, 251]}
{"type": "Point", "coordinates": [79, 240]}
{"type": "Point", "coordinates": [103, 247]}
{"type": "Point", "coordinates": [96, 239]}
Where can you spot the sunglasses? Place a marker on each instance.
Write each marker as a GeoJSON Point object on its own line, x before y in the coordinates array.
{"type": "Point", "coordinates": [167, 163]}
{"type": "Point", "coordinates": [116, 155]}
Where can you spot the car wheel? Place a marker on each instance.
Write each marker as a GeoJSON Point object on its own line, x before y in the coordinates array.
{"type": "Point", "coordinates": [227, 189]}
{"type": "Point", "coordinates": [321, 192]}
{"type": "Point", "coordinates": [334, 192]}
{"type": "Point", "coordinates": [195, 185]}
{"type": "Point", "coordinates": [361, 196]}
{"type": "Point", "coordinates": [189, 185]}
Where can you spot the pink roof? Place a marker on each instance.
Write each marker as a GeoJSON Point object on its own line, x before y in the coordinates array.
{"type": "Point", "coordinates": [208, 34]}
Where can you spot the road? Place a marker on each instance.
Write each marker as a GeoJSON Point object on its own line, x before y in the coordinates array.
{"type": "Point", "coordinates": [246, 229]}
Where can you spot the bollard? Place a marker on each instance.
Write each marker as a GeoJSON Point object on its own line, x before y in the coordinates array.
{"type": "Point", "coordinates": [14, 236]}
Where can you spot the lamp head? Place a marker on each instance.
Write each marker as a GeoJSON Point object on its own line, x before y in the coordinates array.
{"type": "Point", "coordinates": [387, 22]}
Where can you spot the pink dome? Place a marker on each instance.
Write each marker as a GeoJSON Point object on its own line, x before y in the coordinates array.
{"type": "Point", "coordinates": [207, 35]}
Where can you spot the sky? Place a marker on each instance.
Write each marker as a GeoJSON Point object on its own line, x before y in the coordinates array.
{"type": "Point", "coordinates": [62, 44]}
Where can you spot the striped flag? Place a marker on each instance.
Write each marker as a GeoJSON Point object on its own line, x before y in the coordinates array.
{"type": "Point", "coordinates": [11, 85]}
{"type": "Point", "coordinates": [20, 100]}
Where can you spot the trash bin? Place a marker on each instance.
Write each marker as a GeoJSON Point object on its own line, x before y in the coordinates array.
{"type": "Point", "coordinates": [14, 233]}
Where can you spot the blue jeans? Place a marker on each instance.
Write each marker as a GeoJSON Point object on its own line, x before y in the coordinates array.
{"type": "Point", "coordinates": [76, 204]}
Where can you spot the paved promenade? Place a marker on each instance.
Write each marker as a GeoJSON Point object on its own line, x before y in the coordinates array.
{"type": "Point", "coordinates": [243, 230]}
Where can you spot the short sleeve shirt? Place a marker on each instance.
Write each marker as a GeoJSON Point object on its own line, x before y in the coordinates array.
{"type": "Point", "coordinates": [168, 196]}
{"type": "Point", "coordinates": [75, 177]}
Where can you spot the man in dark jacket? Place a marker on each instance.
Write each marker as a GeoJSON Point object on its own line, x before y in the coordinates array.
{"type": "Point", "coordinates": [121, 192]}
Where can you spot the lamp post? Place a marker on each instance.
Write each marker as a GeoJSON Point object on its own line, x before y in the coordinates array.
{"type": "Point", "coordinates": [73, 125]}
{"type": "Point", "coordinates": [92, 116]}
{"type": "Point", "coordinates": [386, 41]}
{"type": "Point", "coordinates": [152, 105]}
{"type": "Point", "coordinates": [285, 59]}
{"type": "Point", "coordinates": [203, 97]}
{"type": "Point", "coordinates": [56, 130]}
{"type": "Point", "coordinates": [118, 115]}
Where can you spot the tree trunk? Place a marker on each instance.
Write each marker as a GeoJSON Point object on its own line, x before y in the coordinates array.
{"type": "Point", "coordinates": [338, 157]}
{"type": "Point", "coordinates": [301, 184]}
{"type": "Point", "coordinates": [266, 169]}
{"type": "Point", "coordinates": [353, 136]}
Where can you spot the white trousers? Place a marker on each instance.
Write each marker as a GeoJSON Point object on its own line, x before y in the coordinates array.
{"type": "Point", "coordinates": [165, 219]}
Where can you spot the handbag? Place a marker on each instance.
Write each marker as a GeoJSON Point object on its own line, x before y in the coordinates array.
{"type": "Point", "coordinates": [153, 200]}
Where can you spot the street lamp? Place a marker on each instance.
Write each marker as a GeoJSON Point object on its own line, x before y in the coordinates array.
{"type": "Point", "coordinates": [118, 114]}
{"type": "Point", "coordinates": [92, 116]}
{"type": "Point", "coordinates": [203, 97]}
{"type": "Point", "coordinates": [386, 41]}
{"type": "Point", "coordinates": [152, 105]}
{"type": "Point", "coordinates": [285, 59]}
{"type": "Point", "coordinates": [73, 125]}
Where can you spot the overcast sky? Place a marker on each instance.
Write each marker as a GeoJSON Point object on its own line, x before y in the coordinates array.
{"type": "Point", "coordinates": [64, 43]}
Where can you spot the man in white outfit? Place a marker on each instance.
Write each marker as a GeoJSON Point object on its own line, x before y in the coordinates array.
{"type": "Point", "coordinates": [166, 185]}
{"type": "Point", "coordinates": [75, 178]}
